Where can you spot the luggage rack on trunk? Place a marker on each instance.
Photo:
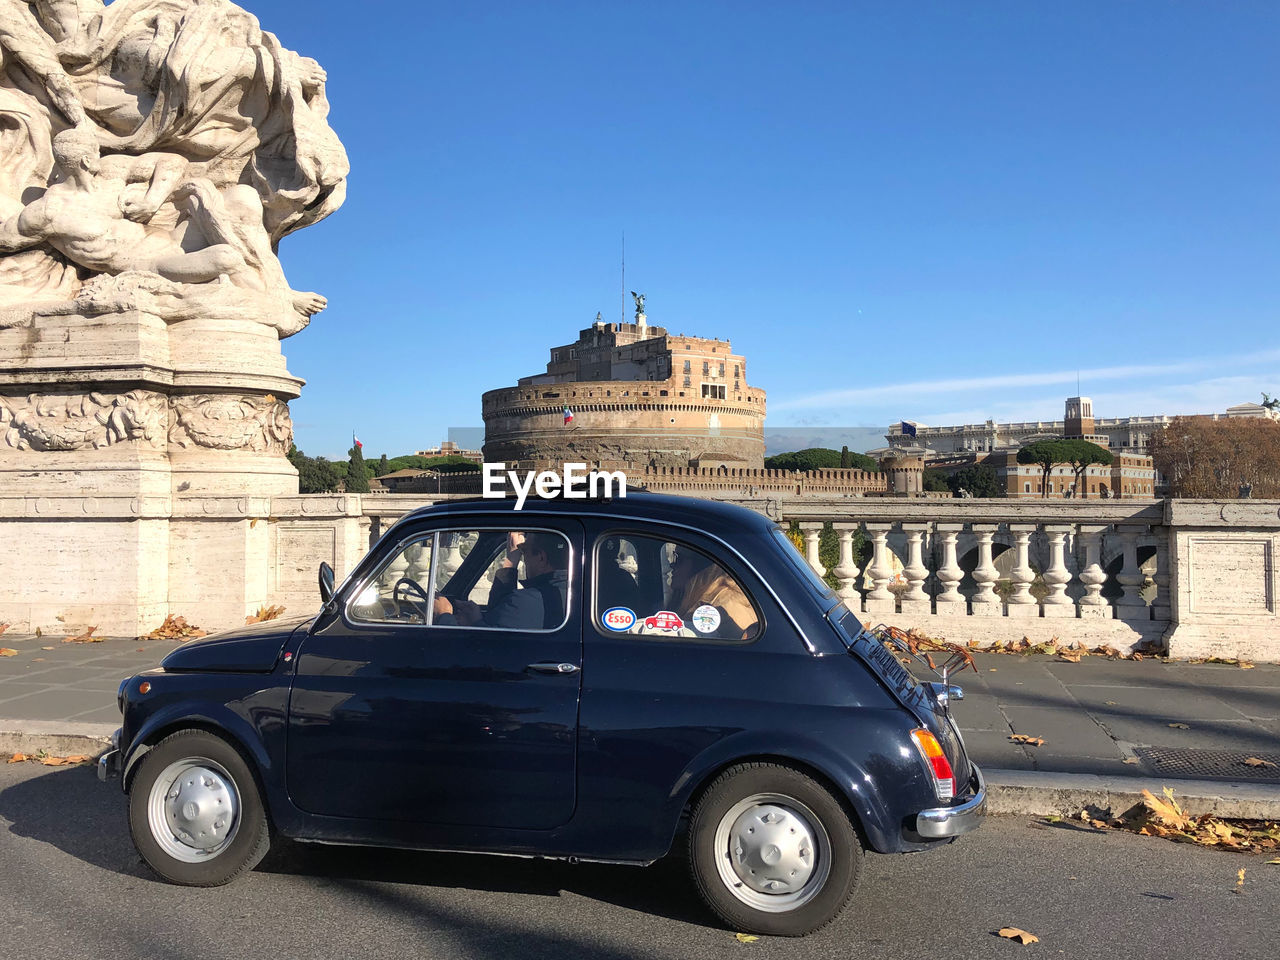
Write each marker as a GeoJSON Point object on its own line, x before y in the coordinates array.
{"type": "Point", "coordinates": [919, 650]}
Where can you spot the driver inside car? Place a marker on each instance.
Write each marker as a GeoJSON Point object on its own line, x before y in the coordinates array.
{"type": "Point", "coordinates": [537, 603]}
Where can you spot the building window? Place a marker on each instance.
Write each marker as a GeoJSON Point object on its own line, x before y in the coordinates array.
{"type": "Point", "coordinates": [687, 366]}
{"type": "Point", "coordinates": [722, 369]}
{"type": "Point", "coordinates": [706, 368]}
{"type": "Point", "coordinates": [1026, 486]}
{"type": "Point", "coordinates": [688, 381]}
{"type": "Point", "coordinates": [713, 391]}
{"type": "Point", "coordinates": [736, 387]}
{"type": "Point", "coordinates": [735, 369]}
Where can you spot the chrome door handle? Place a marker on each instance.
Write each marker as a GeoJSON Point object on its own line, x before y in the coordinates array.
{"type": "Point", "coordinates": [550, 666]}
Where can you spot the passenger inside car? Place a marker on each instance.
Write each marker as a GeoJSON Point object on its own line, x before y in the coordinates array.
{"type": "Point", "coordinates": [709, 599]}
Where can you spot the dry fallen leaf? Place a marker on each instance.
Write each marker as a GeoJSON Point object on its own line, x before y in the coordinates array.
{"type": "Point", "coordinates": [745, 938]}
{"type": "Point", "coordinates": [47, 648]}
{"type": "Point", "coordinates": [1013, 933]}
{"type": "Point", "coordinates": [174, 628]}
{"type": "Point", "coordinates": [1245, 665]}
{"type": "Point", "coordinates": [1239, 879]}
{"type": "Point", "coordinates": [1180, 726]}
{"type": "Point", "coordinates": [264, 614]}
{"type": "Point", "coordinates": [1028, 740]}
{"type": "Point", "coordinates": [1130, 760]}
{"type": "Point", "coordinates": [37, 659]}
{"type": "Point", "coordinates": [86, 637]}
{"type": "Point", "coordinates": [8, 652]}
{"type": "Point", "coordinates": [1109, 703]}
{"type": "Point", "coordinates": [1257, 762]}
{"type": "Point", "coordinates": [18, 758]}
{"type": "Point", "coordinates": [39, 633]}
{"type": "Point", "coordinates": [1277, 860]}
{"type": "Point", "coordinates": [3, 627]}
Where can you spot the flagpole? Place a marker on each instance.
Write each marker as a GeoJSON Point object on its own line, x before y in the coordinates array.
{"type": "Point", "coordinates": [622, 292]}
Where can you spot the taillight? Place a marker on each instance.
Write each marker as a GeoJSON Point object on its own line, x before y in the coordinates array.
{"type": "Point", "coordinates": [944, 780]}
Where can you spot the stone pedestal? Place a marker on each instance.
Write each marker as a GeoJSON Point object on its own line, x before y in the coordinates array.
{"type": "Point", "coordinates": [138, 460]}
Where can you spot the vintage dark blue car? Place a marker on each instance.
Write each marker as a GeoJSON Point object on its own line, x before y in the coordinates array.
{"type": "Point", "coordinates": [579, 680]}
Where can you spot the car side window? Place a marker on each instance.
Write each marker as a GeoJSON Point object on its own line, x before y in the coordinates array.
{"type": "Point", "coordinates": [651, 586]}
{"type": "Point", "coordinates": [481, 578]}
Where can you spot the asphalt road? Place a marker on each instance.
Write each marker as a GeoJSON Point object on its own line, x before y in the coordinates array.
{"type": "Point", "coordinates": [71, 886]}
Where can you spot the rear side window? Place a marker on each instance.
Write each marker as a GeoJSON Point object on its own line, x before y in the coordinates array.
{"type": "Point", "coordinates": [651, 586]}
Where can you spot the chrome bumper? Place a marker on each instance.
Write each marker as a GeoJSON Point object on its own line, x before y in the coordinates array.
{"type": "Point", "coordinates": [109, 762]}
{"type": "Point", "coordinates": [939, 823]}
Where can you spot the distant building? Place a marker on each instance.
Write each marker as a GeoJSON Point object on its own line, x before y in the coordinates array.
{"type": "Point", "coordinates": [1130, 434]}
{"type": "Point", "coordinates": [448, 448]}
{"type": "Point", "coordinates": [630, 396]}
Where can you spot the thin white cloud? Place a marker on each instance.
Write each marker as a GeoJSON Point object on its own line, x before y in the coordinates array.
{"type": "Point", "coordinates": [922, 391]}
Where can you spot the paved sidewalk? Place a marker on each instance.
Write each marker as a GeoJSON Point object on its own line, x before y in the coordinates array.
{"type": "Point", "coordinates": [1140, 723]}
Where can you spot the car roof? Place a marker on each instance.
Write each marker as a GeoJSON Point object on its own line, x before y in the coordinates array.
{"type": "Point", "coordinates": [709, 515]}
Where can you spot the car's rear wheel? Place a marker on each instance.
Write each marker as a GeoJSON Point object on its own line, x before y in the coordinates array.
{"type": "Point", "coordinates": [195, 812]}
{"type": "Point", "coordinates": [773, 851]}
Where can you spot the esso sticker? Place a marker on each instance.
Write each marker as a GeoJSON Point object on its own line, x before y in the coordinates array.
{"type": "Point", "coordinates": [618, 618]}
{"type": "Point", "coordinates": [706, 619]}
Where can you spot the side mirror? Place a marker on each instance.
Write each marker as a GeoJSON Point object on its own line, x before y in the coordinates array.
{"type": "Point", "coordinates": [326, 582]}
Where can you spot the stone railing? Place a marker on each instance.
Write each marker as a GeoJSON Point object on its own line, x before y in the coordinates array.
{"type": "Point", "coordinates": [1196, 576]}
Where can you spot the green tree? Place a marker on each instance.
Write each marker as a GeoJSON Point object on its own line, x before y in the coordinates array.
{"type": "Point", "coordinates": [314, 475]}
{"type": "Point", "coordinates": [845, 462]}
{"type": "Point", "coordinates": [357, 474]}
{"type": "Point", "coordinates": [381, 469]}
{"type": "Point", "coordinates": [1081, 454]}
{"type": "Point", "coordinates": [1047, 454]}
{"type": "Point", "coordinates": [978, 479]}
{"type": "Point", "coordinates": [818, 458]}
{"type": "Point", "coordinates": [935, 481]}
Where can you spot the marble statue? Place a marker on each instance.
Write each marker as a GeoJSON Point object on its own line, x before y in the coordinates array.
{"type": "Point", "coordinates": [153, 153]}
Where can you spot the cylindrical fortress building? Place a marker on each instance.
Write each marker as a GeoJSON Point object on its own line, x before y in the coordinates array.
{"type": "Point", "coordinates": [629, 396]}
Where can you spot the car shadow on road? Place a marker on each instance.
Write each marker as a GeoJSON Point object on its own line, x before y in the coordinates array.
{"type": "Point", "coordinates": [69, 809]}
{"type": "Point", "coordinates": [663, 889]}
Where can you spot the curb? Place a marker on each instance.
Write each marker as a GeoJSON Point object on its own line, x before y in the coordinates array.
{"type": "Point", "coordinates": [1066, 794]}
{"type": "Point", "coordinates": [58, 737]}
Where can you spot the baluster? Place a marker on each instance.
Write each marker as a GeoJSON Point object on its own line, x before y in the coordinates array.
{"type": "Point", "coordinates": [880, 599]}
{"type": "Point", "coordinates": [984, 602]}
{"type": "Point", "coordinates": [949, 573]}
{"type": "Point", "coordinates": [418, 556]}
{"type": "Point", "coordinates": [915, 600]}
{"type": "Point", "coordinates": [1161, 603]}
{"type": "Point", "coordinates": [1092, 605]}
{"type": "Point", "coordinates": [811, 533]}
{"type": "Point", "coordinates": [1021, 602]}
{"type": "Point", "coordinates": [846, 570]}
{"type": "Point", "coordinates": [1056, 602]}
{"type": "Point", "coordinates": [1130, 605]}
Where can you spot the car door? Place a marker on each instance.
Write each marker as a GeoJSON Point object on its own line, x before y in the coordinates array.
{"type": "Point", "coordinates": [398, 713]}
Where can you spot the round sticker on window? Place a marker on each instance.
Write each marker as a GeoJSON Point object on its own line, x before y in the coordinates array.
{"type": "Point", "coordinates": [618, 618]}
{"type": "Point", "coordinates": [706, 619]}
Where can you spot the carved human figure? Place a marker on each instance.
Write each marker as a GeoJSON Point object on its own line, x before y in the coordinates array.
{"type": "Point", "coordinates": [87, 217]}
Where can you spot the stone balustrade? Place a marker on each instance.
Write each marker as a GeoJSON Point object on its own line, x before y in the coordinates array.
{"type": "Point", "coordinates": [1196, 576]}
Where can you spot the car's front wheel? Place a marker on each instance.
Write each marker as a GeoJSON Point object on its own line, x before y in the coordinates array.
{"type": "Point", "coordinates": [195, 812]}
{"type": "Point", "coordinates": [772, 851]}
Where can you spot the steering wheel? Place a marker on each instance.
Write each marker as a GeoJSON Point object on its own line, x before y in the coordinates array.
{"type": "Point", "coordinates": [411, 587]}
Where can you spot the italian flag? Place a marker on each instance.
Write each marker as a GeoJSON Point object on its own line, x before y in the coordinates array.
{"type": "Point", "coordinates": [568, 416]}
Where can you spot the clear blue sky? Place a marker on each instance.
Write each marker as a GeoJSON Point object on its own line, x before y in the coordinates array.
{"type": "Point", "coordinates": [932, 211]}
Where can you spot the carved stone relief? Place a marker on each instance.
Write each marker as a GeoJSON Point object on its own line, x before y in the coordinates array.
{"type": "Point", "coordinates": [223, 422]}
{"type": "Point", "coordinates": [61, 422]}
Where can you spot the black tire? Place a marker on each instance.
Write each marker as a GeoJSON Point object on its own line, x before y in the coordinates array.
{"type": "Point", "coordinates": [744, 791]}
{"type": "Point", "coordinates": [248, 834]}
